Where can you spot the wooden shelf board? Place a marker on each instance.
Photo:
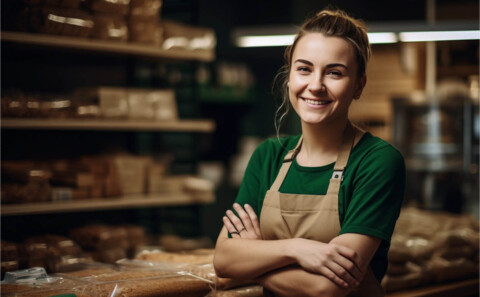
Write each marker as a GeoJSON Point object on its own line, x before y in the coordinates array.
{"type": "Point", "coordinates": [127, 201]}
{"type": "Point", "coordinates": [98, 45]}
{"type": "Point", "coordinates": [464, 288]}
{"type": "Point", "coordinates": [186, 125]}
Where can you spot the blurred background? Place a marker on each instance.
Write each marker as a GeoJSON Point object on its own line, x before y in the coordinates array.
{"type": "Point", "coordinates": [145, 113]}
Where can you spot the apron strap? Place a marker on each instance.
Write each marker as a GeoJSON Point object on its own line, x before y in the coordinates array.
{"type": "Point", "coordinates": [342, 160]}
{"type": "Point", "coordinates": [287, 161]}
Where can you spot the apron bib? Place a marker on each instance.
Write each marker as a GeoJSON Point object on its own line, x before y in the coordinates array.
{"type": "Point", "coordinates": [312, 217]}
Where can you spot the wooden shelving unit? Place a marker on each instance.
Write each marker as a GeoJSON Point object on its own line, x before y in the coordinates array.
{"type": "Point", "coordinates": [100, 46]}
{"type": "Point", "coordinates": [187, 125]}
{"type": "Point", "coordinates": [127, 201]}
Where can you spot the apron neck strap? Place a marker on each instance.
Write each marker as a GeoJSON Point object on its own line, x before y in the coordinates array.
{"type": "Point", "coordinates": [287, 161]}
{"type": "Point", "coordinates": [340, 164]}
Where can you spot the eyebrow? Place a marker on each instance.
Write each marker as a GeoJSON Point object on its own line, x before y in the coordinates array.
{"type": "Point", "coordinates": [328, 65]}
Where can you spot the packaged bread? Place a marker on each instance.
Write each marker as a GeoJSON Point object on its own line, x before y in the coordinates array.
{"type": "Point", "coordinates": [53, 252]}
{"type": "Point", "coordinates": [146, 31]}
{"type": "Point", "coordinates": [59, 21]}
{"type": "Point", "coordinates": [99, 236]}
{"type": "Point", "coordinates": [142, 282]}
{"type": "Point", "coordinates": [35, 282]}
{"type": "Point", "coordinates": [248, 291]}
{"type": "Point", "coordinates": [145, 9]}
{"type": "Point", "coordinates": [24, 181]}
{"type": "Point", "coordinates": [110, 27]}
{"type": "Point", "coordinates": [183, 36]}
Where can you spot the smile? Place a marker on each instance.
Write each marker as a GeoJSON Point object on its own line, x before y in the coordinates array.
{"type": "Point", "coordinates": [317, 102]}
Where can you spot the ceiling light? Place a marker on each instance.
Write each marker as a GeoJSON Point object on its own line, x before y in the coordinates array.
{"type": "Point", "coordinates": [439, 35]}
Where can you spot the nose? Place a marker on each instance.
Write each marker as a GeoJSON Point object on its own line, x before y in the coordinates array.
{"type": "Point", "coordinates": [315, 84]}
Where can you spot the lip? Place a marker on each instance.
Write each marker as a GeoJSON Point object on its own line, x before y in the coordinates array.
{"type": "Point", "coordinates": [315, 106]}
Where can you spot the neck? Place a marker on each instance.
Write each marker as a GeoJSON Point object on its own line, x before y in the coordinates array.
{"type": "Point", "coordinates": [321, 143]}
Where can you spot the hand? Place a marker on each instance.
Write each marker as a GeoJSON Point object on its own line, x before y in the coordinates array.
{"type": "Point", "coordinates": [247, 226]}
{"type": "Point", "coordinates": [338, 263]}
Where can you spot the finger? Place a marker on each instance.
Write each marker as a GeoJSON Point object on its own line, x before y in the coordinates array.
{"type": "Point", "coordinates": [325, 271]}
{"type": "Point", "coordinates": [230, 228]}
{"type": "Point", "coordinates": [350, 267]}
{"type": "Point", "coordinates": [253, 217]}
{"type": "Point", "coordinates": [343, 274]}
{"type": "Point", "coordinates": [350, 260]}
{"type": "Point", "coordinates": [237, 223]}
{"type": "Point", "coordinates": [246, 220]}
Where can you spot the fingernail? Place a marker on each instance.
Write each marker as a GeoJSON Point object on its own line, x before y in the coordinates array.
{"type": "Point", "coordinates": [246, 205]}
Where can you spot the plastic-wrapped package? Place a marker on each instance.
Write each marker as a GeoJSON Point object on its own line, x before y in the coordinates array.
{"type": "Point", "coordinates": [178, 35]}
{"type": "Point", "coordinates": [53, 252]}
{"type": "Point", "coordinates": [146, 31]}
{"type": "Point", "coordinates": [196, 263]}
{"type": "Point", "coordinates": [143, 281]}
{"type": "Point", "coordinates": [429, 246]}
{"type": "Point", "coordinates": [248, 291]}
{"type": "Point", "coordinates": [24, 181]}
{"type": "Point", "coordinates": [57, 21]}
{"type": "Point", "coordinates": [145, 9]}
{"type": "Point", "coordinates": [35, 282]}
{"type": "Point", "coordinates": [110, 27]}
{"type": "Point", "coordinates": [100, 236]}
{"type": "Point", "coordinates": [112, 101]}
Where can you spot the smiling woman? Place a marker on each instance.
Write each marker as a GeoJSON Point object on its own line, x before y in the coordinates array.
{"type": "Point", "coordinates": [315, 213]}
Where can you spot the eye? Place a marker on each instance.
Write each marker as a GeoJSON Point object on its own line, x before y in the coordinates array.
{"type": "Point", "coordinates": [303, 69]}
{"type": "Point", "coordinates": [335, 73]}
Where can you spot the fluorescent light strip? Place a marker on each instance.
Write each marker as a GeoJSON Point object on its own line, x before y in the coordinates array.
{"type": "Point", "coordinates": [439, 36]}
{"type": "Point", "coordinates": [374, 37]}
{"type": "Point", "coordinates": [265, 40]}
{"type": "Point", "coordinates": [382, 37]}
{"type": "Point", "coordinates": [287, 39]}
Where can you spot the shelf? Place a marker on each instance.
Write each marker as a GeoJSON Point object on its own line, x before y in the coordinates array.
{"type": "Point", "coordinates": [97, 45]}
{"type": "Point", "coordinates": [464, 288]}
{"type": "Point", "coordinates": [187, 125]}
{"type": "Point", "coordinates": [128, 201]}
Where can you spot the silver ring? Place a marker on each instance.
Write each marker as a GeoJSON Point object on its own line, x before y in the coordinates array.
{"type": "Point", "coordinates": [234, 232]}
{"type": "Point", "coordinates": [243, 229]}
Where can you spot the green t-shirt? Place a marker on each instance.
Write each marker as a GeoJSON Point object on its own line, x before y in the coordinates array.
{"type": "Point", "coordinates": [371, 193]}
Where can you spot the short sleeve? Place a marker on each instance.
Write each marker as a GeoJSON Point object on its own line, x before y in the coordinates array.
{"type": "Point", "coordinates": [377, 194]}
{"type": "Point", "coordinates": [251, 182]}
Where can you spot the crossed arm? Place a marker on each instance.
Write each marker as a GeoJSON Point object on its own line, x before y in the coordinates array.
{"type": "Point", "coordinates": [291, 267]}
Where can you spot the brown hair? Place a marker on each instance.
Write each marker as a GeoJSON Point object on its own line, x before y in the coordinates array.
{"type": "Point", "coordinates": [330, 23]}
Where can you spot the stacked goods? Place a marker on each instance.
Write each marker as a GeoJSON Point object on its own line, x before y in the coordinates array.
{"type": "Point", "coordinates": [108, 281]}
{"type": "Point", "coordinates": [195, 262]}
{"type": "Point", "coordinates": [9, 257]}
{"type": "Point", "coordinates": [54, 180]}
{"type": "Point", "coordinates": [52, 252]}
{"type": "Point", "coordinates": [136, 21]}
{"type": "Point", "coordinates": [249, 291]}
{"type": "Point", "coordinates": [56, 253]}
{"type": "Point", "coordinates": [25, 181]}
{"type": "Point", "coordinates": [431, 247]}
{"type": "Point", "coordinates": [107, 244]}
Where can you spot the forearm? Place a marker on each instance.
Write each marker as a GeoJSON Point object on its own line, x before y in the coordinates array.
{"type": "Point", "coordinates": [248, 259]}
{"type": "Point", "coordinates": [294, 281]}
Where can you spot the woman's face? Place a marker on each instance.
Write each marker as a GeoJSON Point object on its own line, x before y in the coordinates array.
{"type": "Point", "coordinates": [323, 79]}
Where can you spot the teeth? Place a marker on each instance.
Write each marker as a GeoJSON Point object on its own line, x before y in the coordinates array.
{"type": "Point", "coordinates": [316, 102]}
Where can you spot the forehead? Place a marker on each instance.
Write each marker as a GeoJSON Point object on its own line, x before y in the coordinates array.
{"type": "Point", "coordinates": [318, 47]}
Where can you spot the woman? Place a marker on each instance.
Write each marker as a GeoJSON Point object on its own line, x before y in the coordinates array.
{"type": "Point", "coordinates": [315, 213]}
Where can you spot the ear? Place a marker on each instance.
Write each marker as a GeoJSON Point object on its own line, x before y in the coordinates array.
{"type": "Point", "coordinates": [360, 85]}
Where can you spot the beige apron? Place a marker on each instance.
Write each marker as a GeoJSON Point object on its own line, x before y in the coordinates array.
{"type": "Point", "coordinates": [312, 217]}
